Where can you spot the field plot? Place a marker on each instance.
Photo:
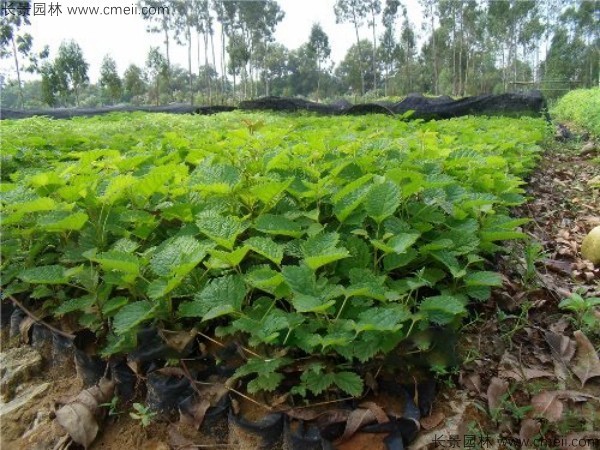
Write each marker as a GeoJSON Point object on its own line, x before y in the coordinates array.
{"type": "Point", "coordinates": [320, 245]}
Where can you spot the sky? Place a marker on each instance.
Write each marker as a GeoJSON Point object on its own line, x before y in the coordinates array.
{"type": "Point", "coordinates": [125, 37]}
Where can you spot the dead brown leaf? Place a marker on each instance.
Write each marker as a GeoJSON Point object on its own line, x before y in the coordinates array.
{"type": "Point", "coordinates": [587, 363]}
{"type": "Point", "coordinates": [529, 428]}
{"type": "Point", "coordinates": [193, 415]}
{"type": "Point", "coordinates": [377, 411]}
{"type": "Point", "coordinates": [511, 368]}
{"type": "Point", "coordinates": [178, 340]}
{"type": "Point", "coordinates": [471, 381]}
{"type": "Point", "coordinates": [547, 405]}
{"type": "Point", "coordinates": [562, 348]}
{"type": "Point", "coordinates": [433, 420]}
{"type": "Point", "coordinates": [357, 419]}
{"type": "Point", "coordinates": [177, 441]}
{"type": "Point", "coordinates": [495, 391]}
{"type": "Point", "coordinates": [80, 416]}
{"type": "Point", "coordinates": [24, 328]}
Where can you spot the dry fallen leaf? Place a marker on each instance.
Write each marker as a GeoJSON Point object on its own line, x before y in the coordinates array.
{"type": "Point", "coordinates": [177, 441]}
{"type": "Point", "coordinates": [547, 405]}
{"type": "Point", "coordinates": [80, 416]}
{"type": "Point", "coordinates": [563, 348]}
{"type": "Point", "coordinates": [194, 413]}
{"type": "Point", "coordinates": [178, 340]}
{"type": "Point", "coordinates": [495, 391]}
{"type": "Point", "coordinates": [357, 419]}
{"type": "Point", "coordinates": [587, 363]}
{"type": "Point", "coordinates": [472, 382]}
{"type": "Point", "coordinates": [511, 368]}
{"type": "Point", "coordinates": [433, 420]}
{"type": "Point", "coordinates": [529, 428]}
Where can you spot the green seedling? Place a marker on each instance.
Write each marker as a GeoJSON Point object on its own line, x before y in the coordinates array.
{"type": "Point", "coordinates": [584, 309]}
{"type": "Point", "coordinates": [143, 414]}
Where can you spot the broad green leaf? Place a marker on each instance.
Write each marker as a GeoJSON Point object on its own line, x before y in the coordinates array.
{"type": "Point", "coordinates": [223, 230]}
{"type": "Point", "coordinates": [483, 278]}
{"type": "Point", "coordinates": [119, 261]}
{"type": "Point", "coordinates": [349, 382]}
{"type": "Point", "coordinates": [382, 201]}
{"type": "Point", "coordinates": [266, 247]}
{"type": "Point", "coordinates": [132, 315]}
{"type": "Point", "coordinates": [300, 279]}
{"type": "Point", "coordinates": [322, 249]}
{"type": "Point", "coordinates": [268, 192]}
{"type": "Point", "coordinates": [58, 221]}
{"type": "Point", "coordinates": [53, 274]}
{"type": "Point", "coordinates": [75, 304]}
{"type": "Point", "coordinates": [219, 297]}
{"type": "Point", "coordinates": [350, 197]}
{"type": "Point", "coordinates": [278, 225]}
{"type": "Point", "coordinates": [178, 256]}
{"type": "Point", "coordinates": [442, 309]}
{"type": "Point", "coordinates": [227, 259]}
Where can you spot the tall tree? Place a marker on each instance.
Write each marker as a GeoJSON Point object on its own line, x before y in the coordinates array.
{"type": "Point", "coordinates": [389, 50]}
{"type": "Point", "coordinates": [110, 82]}
{"type": "Point", "coordinates": [158, 68]}
{"type": "Point", "coordinates": [431, 11]}
{"type": "Point", "coordinates": [353, 11]}
{"type": "Point", "coordinates": [186, 16]}
{"type": "Point", "coordinates": [374, 8]}
{"type": "Point", "coordinates": [71, 68]}
{"type": "Point", "coordinates": [318, 45]}
{"type": "Point", "coordinates": [20, 44]}
{"type": "Point", "coordinates": [133, 83]}
{"type": "Point", "coordinates": [161, 23]}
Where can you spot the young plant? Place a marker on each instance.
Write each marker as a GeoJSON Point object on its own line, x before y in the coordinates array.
{"type": "Point", "coordinates": [143, 414]}
{"type": "Point", "coordinates": [585, 309]}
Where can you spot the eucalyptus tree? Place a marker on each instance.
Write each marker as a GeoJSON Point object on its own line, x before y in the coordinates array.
{"type": "Point", "coordinates": [430, 12]}
{"type": "Point", "coordinates": [158, 68]}
{"type": "Point", "coordinates": [134, 86]}
{"type": "Point", "coordinates": [160, 23]}
{"type": "Point", "coordinates": [185, 18]}
{"type": "Point", "coordinates": [20, 44]}
{"type": "Point", "coordinates": [72, 69]}
{"type": "Point", "coordinates": [389, 49]}
{"type": "Point", "coordinates": [353, 11]}
{"type": "Point", "coordinates": [110, 82]}
{"type": "Point", "coordinates": [374, 9]}
{"type": "Point", "coordinates": [318, 46]}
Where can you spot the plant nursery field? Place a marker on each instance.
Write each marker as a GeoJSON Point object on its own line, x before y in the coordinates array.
{"type": "Point", "coordinates": [328, 253]}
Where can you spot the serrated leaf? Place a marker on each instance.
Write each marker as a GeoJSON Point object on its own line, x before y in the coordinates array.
{"type": "Point", "coordinates": [52, 274]}
{"type": "Point", "coordinates": [278, 225]}
{"type": "Point", "coordinates": [119, 261]}
{"type": "Point", "coordinates": [322, 249]}
{"type": "Point", "coordinates": [350, 197]}
{"type": "Point", "coordinates": [178, 256]}
{"type": "Point", "coordinates": [266, 247]}
{"type": "Point", "coordinates": [75, 304]}
{"type": "Point", "coordinates": [442, 309]}
{"type": "Point", "coordinates": [382, 201]}
{"type": "Point", "coordinates": [317, 383]}
{"type": "Point", "coordinates": [349, 382]}
{"type": "Point", "coordinates": [58, 221]}
{"type": "Point", "coordinates": [219, 297]}
{"type": "Point", "coordinates": [483, 278]}
{"type": "Point", "coordinates": [132, 315]}
{"type": "Point", "coordinates": [450, 261]}
{"type": "Point", "coordinates": [223, 230]}
{"type": "Point", "coordinates": [267, 192]}
{"type": "Point", "coordinates": [300, 279]}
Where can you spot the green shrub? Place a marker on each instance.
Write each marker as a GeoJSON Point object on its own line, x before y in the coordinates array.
{"type": "Point", "coordinates": [582, 107]}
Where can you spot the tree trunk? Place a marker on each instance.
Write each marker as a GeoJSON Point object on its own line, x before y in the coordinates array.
{"type": "Point", "coordinates": [212, 49]}
{"type": "Point", "coordinates": [360, 56]}
{"type": "Point", "coordinates": [189, 39]}
{"type": "Point", "coordinates": [434, 52]}
{"type": "Point", "coordinates": [223, 64]}
{"type": "Point", "coordinates": [206, 68]}
{"type": "Point", "coordinates": [16, 55]}
{"type": "Point", "coordinates": [166, 29]}
{"type": "Point", "coordinates": [374, 51]}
